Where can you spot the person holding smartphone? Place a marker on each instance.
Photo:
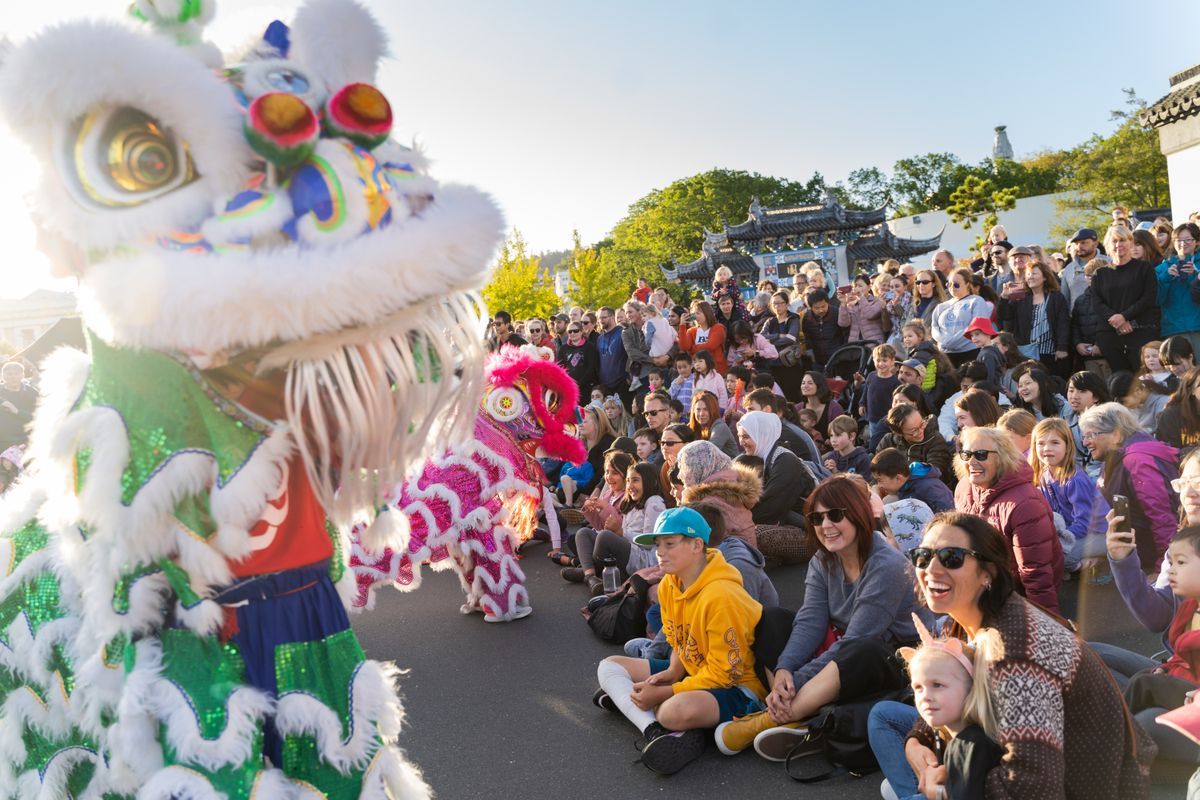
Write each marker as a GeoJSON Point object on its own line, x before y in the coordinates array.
{"type": "Point", "coordinates": [1178, 289]}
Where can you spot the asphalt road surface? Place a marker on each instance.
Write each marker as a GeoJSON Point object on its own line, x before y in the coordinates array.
{"type": "Point", "coordinates": [504, 710]}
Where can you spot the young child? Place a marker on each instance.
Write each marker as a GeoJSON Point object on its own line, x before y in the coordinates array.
{"type": "Point", "coordinates": [725, 285]}
{"type": "Point", "coordinates": [660, 336]}
{"type": "Point", "coordinates": [1069, 490]}
{"type": "Point", "coordinates": [898, 303]}
{"type": "Point", "coordinates": [655, 381]}
{"type": "Point", "coordinates": [983, 335]}
{"type": "Point", "coordinates": [846, 455]}
{"type": "Point", "coordinates": [895, 476]}
{"type": "Point", "coordinates": [1006, 343]}
{"type": "Point", "coordinates": [706, 378]}
{"type": "Point", "coordinates": [618, 417]}
{"type": "Point", "coordinates": [878, 395]}
{"type": "Point", "coordinates": [1152, 366]}
{"type": "Point", "coordinates": [681, 388]}
{"type": "Point", "coordinates": [921, 347]}
{"type": "Point", "coordinates": [646, 440]}
{"type": "Point", "coordinates": [808, 422]}
{"type": "Point", "coordinates": [952, 694]}
{"type": "Point", "coordinates": [709, 621]}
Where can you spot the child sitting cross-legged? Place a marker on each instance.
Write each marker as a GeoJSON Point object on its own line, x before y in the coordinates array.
{"type": "Point", "coordinates": [952, 695]}
{"type": "Point", "coordinates": [709, 621]}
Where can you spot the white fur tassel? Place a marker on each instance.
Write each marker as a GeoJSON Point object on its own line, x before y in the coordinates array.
{"type": "Point", "coordinates": [390, 530]}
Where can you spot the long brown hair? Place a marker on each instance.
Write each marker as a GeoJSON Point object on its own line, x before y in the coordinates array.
{"type": "Point", "coordinates": [982, 407]}
{"type": "Point", "coordinates": [704, 309]}
{"type": "Point", "coordinates": [1151, 252]}
{"type": "Point", "coordinates": [714, 414]}
{"type": "Point", "coordinates": [1189, 407]}
{"type": "Point", "coordinates": [850, 493]}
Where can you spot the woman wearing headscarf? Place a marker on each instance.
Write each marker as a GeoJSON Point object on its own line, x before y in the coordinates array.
{"type": "Point", "coordinates": [711, 477]}
{"type": "Point", "coordinates": [786, 482]}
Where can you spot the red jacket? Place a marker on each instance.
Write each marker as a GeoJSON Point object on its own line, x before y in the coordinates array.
{"type": "Point", "coordinates": [714, 345]}
{"type": "Point", "coordinates": [1185, 663]}
{"type": "Point", "coordinates": [1020, 512]}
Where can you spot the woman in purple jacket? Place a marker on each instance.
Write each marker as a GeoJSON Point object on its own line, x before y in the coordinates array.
{"type": "Point", "coordinates": [1138, 467]}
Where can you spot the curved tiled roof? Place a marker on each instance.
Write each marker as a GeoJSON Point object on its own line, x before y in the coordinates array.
{"type": "Point", "coordinates": [1182, 102]}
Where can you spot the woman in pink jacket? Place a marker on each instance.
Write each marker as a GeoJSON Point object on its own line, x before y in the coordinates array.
{"type": "Point", "coordinates": [862, 314]}
{"type": "Point", "coordinates": [996, 484]}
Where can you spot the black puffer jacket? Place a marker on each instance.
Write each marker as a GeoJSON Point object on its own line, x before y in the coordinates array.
{"type": "Point", "coordinates": [1085, 322]}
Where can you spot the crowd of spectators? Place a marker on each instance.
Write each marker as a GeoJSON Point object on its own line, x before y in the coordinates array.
{"type": "Point", "coordinates": [963, 435]}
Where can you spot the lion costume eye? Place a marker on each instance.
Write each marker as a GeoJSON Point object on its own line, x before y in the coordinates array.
{"type": "Point", "coordinates": [123, 157]}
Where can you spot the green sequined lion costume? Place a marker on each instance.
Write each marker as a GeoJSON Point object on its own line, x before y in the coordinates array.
{"type": "Point", "coordinates": [281, 317]}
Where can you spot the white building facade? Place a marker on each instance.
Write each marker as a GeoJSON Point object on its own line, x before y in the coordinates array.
{"type": "Point", "coordinates": [1177, 118]}
{"type": "Point", "coordinates": [22, 321]}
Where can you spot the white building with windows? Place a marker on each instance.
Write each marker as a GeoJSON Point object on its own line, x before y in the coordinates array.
{"type": "Point", "coordinates": [22, 321]}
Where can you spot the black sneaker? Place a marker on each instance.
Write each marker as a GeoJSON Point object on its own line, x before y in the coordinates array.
{"type": "Point", "coordinates": [601, 700]}
{"type": "Point", "coordinates": [666, 752]}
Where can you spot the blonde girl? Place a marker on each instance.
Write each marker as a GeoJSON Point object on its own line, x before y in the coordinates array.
{"type": "Point", "coordinates": [618, 418]}
{"type": "Point", "coordinates": [1069, 490]}
{"type": "Point", "coordinates": [1151, 364]}
{"type": "Point", "coordinates": [952, 693]}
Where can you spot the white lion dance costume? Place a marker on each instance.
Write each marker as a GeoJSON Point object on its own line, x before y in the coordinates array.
{"type": "Point", "coordinates": [281, 317]}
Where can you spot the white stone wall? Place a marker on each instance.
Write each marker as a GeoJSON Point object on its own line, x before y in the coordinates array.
{"type": "Point", "coordinates": [1029, 223]}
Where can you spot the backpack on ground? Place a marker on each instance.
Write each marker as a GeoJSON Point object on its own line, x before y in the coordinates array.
{"type": "Point", "coordinates": [622, 615]}
{"type": "Point", "coordinates": [837, 742]}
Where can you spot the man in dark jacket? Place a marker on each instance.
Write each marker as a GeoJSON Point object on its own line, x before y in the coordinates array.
{"type": "Point", "coordinates": [822, 333]}
{"type": "Point", "coordinates": [917, 439]}
{"type": "Point", "coordinates": [612, 352]}
{"type": "Point", "coordinates": [1086, 325]}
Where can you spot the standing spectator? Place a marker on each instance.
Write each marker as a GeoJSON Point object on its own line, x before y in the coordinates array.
{"type": "Point", "coordinates": [928, 293]}
{"type": "Point", "coordinates": [877, 397]}
{"type": "Point", "coordinates": [861, 314]}
{"type": "Point", "coordinates": [1179, 424]}
{"type": "Point", "coordinates": [660, 335]}
{"type": "Point", "coordinates": [1145, 248]}
{"type": "Point", "coordinates": [820, 326]}
{"type": "Point", "coordinates": [1084, 244]}
{"type": "Point", "coordinates": [916, 438]}
{"type": "Point", "coordinates": [707, 424]}
{"type": "Point", "coordinates": [704, 334]}
{"type": "Point", "coordinates": [998, 270]}
{"type": "Point", "coordinates": [558, 326]}
{"type": "Point", "coordinates": [580, 358]}
{"type": "Point", "coordinates": [591, 327]}
{"type": "Point", "coordinates": [1125, 302]}
{"type": "Point", "coordinates": [760, 311]}
{"type": "Point", "coordinates": [17, 401]}
{"type": "Point", "coordinates": [539, 334]}
{"type": "Point", "coordinates": [637, 350]}
{"type": "Point", "coordinates": [613, 360]}
{"type": "Point", "coordinates": [502, 332]}
{"type": "Point", "coordinates": [1086, 325]}
{"type": "Point", "coordinates": [1178, 289]}
{"type": "Point", "coordinates": [951, 318]}
{"type": "Point", "coordinates": [898, 305]}
{"type": "Point", "coordinates": [996, 484]}
{"type": "Point", "coordinates": [942, 263]}
{"type": "Point", "coordinates": [782, 330]}
{"type": "Point", "coordinates": [1037, 315]}
{"type": "Point", "coordinates": [681, 387]}
{"type": "Point", "coordinates": [1139, 468]}
{"type": "Point", "coordinates": [815, 396]}
{"type": "Point", "coordinates": [642, 293]}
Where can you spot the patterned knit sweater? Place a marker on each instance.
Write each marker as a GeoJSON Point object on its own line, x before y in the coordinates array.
{"type": "Point", "coordinates": [1064, 727]}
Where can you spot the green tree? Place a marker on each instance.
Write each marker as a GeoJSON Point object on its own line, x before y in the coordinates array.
{"type": "Point", "coordinates": [592, 282]}
{"type": "Point", "coordinates": [979, 197]}
{"type": "Point", "coordinates": [670, 222]}
{"type": "Point", "coordinates": [924, 183]}
{"type": "Point", "coordinates": [866, 189]}
{"type": "Point", "coordinates": [519, 285]}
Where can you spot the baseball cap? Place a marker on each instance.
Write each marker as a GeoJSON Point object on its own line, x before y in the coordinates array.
{"type": "Point", "coordinates": [914, 363]}
{"type": "Point", "coordinates": [1084, 233]}
{"type": "Point", "coordinates": [676, 522]}
{"type": "Point", "coordinates": [622, 444]}
{"type": "Point", "coordinates": [980, 324]}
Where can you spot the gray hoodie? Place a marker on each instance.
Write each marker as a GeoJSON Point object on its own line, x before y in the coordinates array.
{"type": "Point", "coordinates": [750, 563]}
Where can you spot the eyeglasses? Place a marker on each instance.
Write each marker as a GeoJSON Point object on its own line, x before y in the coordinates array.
{"type": "Point", "coordinates": [835, 515]}
{"type": "Point", "coordinates": [950, 557]}
{"type": "Point", "coordinates": [924, 282]}
{"type": "Point", "coordinates": [1179, 484]}
{"type": "Point", "coordinates": [978, 455]}
{"type": "Point", "coordinates": [1185, 241]}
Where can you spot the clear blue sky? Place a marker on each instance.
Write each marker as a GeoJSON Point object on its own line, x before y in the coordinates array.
{"type": "Point", "coordinates": [569, 111]}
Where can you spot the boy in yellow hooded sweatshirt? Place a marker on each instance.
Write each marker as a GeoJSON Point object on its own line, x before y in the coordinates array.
{"type": "Point", "coordinates": [709, 621]}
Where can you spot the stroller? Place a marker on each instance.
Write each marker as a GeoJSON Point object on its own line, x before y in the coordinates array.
{"type": "Point", "coordinates": [839, 372]}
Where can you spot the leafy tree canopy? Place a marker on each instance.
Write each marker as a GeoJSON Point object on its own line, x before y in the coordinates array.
{"type": "Point", "coordinates": [519, 285]}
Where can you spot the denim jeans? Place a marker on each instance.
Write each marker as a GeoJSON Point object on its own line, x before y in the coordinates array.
{"type": "Point", "coordinates": [887, 727]}
{"type": "Point", "coordinates": [1122, 663]}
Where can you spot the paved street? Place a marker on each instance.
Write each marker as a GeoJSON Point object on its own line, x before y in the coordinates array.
{"type": "Point", "coordinates": [504, 711]}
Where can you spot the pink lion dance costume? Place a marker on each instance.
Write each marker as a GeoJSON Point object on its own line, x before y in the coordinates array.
{"type": "Point", "coordinates": [467, 509]}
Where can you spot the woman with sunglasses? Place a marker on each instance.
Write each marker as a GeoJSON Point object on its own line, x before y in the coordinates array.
{"type": "Point", "coordinates": [928, 294]}
{"type": "Point", "coordinates": [539, 334]}
{"type": "Point", "coordinates": [996, 483]}
{"type": "Point", "coordinates": [580, 358]}
{"type": "Point", "coordinates": [1051, 692]}
{"type": "Point", "coordinates": [951, 318]}
{"type": "Point", "coordinates": [1138, 467]}
{"type": "Point", "coordinates": [672, 440]}
{"type": "Point", "coordinates": [859, 603]}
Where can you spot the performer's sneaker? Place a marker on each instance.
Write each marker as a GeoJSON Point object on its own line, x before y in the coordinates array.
{"type": "Point", "coordinates": [736, 735]}
{"type": "Point", "coordinates": [779, 742]}
{"type": "Point", "coordinates": [601, 700]}
{"type": "Point", "coordinates": [666, 752]}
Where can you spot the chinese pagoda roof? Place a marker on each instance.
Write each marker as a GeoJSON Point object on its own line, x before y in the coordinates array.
{"type": "Point", "coordinates": [1182, 102]}
{"type": "Point", "coordinates": [717, 252]}
{"type": "Point", "coordinates": [881, 243]}
{"type": "Point", "coordinates": [765, 223]}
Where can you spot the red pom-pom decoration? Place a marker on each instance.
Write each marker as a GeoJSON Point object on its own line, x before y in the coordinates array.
{"type": "Point", "coordinates": [359, 112]}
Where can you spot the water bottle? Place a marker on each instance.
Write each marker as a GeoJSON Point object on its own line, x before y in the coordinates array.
{"type": "Point", "coordinates": [612, 579]}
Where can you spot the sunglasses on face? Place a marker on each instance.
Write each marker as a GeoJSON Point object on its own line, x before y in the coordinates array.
{"type": "Point", "coordinates": [956, 285]}
{"type": "Point", "coordinates": [653, 412]}
{"type": "Point", "coordinates": [949, 557]}
{"type": "Point", "coordinates": [670, 443]}
{"type": "Point", "coordinates": [978, 455]}
{"type": "Point", "coordinates": [835, 515]}
{"type": "Point", "coordinates": [924, 282]}
{"type": "Point", "coordinates": [574, 330]}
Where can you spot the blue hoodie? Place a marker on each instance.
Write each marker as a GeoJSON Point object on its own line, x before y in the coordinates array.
{"type": "Point", "coordinates": [1179, 313]}
{"type": "Point", "coordinates": [925, 484]}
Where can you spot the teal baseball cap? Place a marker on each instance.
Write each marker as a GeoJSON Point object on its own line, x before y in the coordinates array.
{"type": "Point", "coordinates": [676, 522]}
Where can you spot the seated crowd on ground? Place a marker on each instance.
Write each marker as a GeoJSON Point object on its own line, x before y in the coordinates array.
{"type": "Point", "coordinates": [949, 450]}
